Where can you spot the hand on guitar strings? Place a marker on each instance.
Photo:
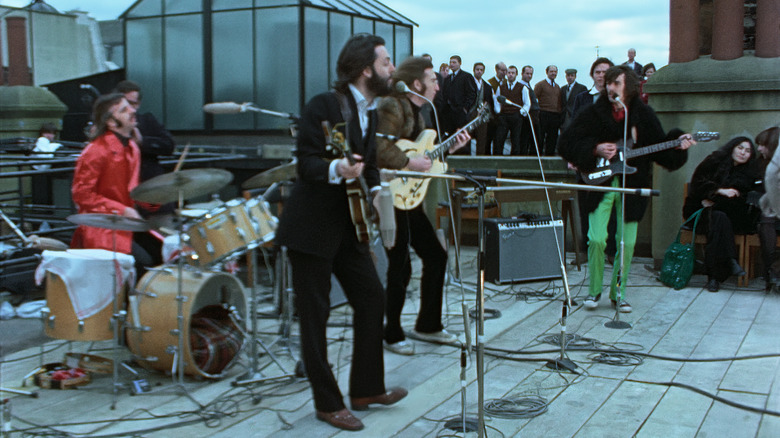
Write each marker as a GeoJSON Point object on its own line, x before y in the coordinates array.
{"type": "Point", "coordinates": [606, 150]}
{"type": "Point", "coordinates": [420, 163]}
{"type": "Point", "coordinates": [350, 171]}
{"type": "Point", "coordinates": [461, 140]}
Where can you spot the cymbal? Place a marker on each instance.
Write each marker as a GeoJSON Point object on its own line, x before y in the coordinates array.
{"type": "Point", "coordinates": [264, 179]}
{"type": "Point", "coordinates": [109, 221]}
{"type": "Point", "coordinates": [191, 183]}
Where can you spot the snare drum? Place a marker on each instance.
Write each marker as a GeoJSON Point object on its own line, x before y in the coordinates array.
{"type": "Point", "coordinates": [212, 340]}
{"type": "Point", "coordinates": [222, 233]}
{"type": "Point", "coordinates": [264, 222]}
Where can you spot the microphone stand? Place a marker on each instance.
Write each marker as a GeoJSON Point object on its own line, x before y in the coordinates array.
{"type": "Point", "coordinates": [616, 323]}
{"type": "Point", "coordinates": [562, 362]}
{"type": "Point", "coordinates": [387, 175]}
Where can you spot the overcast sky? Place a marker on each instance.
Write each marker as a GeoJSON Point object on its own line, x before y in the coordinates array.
{"type": "Point", "coordinates": [538, 33]}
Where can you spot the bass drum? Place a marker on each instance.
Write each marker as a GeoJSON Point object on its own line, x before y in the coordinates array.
{"type": "Point", "coordinates": [212, 340]}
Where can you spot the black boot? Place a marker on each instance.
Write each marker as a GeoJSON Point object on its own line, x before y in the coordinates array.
{"type": "Point", "coordinates": [737, 270]}
{"type": "Point", "coordinates": [712, 285]}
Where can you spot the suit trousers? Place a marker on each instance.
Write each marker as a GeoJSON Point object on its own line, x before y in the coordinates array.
{"type": "Point", "coordinates": [414, 229]}
{"type": "Point", "coordinates": [357, 275]}
{"type": "Point", "coordinates": [549, 123]}
{"type": "Point", "coordinates": [508, 124]}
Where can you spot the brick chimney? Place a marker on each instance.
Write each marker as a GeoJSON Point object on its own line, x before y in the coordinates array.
{"type": "Point", "coordinates": [18, 70]}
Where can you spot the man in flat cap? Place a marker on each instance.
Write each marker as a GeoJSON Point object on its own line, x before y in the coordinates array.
{"type": "Point", "coordinates": [568, 93]}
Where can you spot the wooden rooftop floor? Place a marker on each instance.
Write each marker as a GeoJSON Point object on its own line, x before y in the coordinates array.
{"type": "Point", "coordinates": [604, 400]}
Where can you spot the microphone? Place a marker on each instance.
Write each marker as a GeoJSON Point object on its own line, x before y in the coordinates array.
{"type": "Point", "coordinates": [225, 108]}
{"type": "Point", "coordinates": [235, 108]}
{"type": "Point", "coordinates": [503, 100]}
{"type": "Point", "coordinates": [386, 215]}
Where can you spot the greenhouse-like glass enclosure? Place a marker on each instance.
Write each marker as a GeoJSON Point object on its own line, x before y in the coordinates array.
{"type": "Point", "coordinates": [275, 53]}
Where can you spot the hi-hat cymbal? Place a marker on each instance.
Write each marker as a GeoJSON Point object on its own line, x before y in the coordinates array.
{"type": "Point", "coordinates": [109, 221]}
{"type": "Point", "coordinates": [190, 183]}
{"type": "Point", "coordinates": [270, 176]}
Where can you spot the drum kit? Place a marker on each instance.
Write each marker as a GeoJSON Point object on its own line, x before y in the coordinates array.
{"type": "Point", "coordinates": [208, 331]}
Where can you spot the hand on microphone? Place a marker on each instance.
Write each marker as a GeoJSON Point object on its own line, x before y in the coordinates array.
{"type": "Point", "coordinates": [350, 171]}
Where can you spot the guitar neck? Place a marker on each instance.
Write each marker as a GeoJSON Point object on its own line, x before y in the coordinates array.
{"type": "Point", "coordinates": [646, 150]}
{"type": "Point", "coordinates": [438, 151]}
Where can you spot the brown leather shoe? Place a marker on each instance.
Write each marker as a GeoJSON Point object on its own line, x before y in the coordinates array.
{"type": "Point", "coordinates": [342, 419]}
{"type": "Point", "coordinates": [388, 398]}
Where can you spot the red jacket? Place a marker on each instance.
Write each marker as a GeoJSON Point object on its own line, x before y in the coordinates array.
{"type": "Point", "coordinates": [106, 172]}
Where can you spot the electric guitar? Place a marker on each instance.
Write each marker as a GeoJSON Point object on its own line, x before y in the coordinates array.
{"type": "Point", "coordinates": [606, 169]}
{"type": "Point", "coordinates": [409, 192]}
{"type": "Point", "coordinates": [360, 208]}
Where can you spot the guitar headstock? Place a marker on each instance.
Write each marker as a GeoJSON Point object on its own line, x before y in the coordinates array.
{"type": "Point", "coordinates": [484, 113]}
{"type": "Point", "coordinates": [706, 136]}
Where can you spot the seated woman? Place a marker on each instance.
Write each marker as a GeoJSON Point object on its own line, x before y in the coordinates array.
{"type": "Point", "coordinates": [720, 183]}
{"type": "Point", "coordinates": [766, 142]}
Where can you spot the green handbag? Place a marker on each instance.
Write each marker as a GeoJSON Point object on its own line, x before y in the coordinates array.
{"type": "Point", "coordinates": [677, 267]}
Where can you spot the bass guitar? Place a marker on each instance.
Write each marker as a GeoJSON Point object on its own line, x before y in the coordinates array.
{"type": "Point", "coordinates": [606, 169]}
{"type": "Point", "coordinates": [409, 192]}
{"type": "Point", "coordinates": [358, 195]}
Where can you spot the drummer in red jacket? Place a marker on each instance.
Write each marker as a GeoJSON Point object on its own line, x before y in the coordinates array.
{"type": "Point", "coordinates": [106, 171]}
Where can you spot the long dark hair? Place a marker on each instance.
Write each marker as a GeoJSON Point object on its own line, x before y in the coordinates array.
{"type": "Point", "coordinates": [727, 149]}
{"type": "Point", "coordinates": [631, 80]}
{"type": "Point", "coordinates": [357, 54]}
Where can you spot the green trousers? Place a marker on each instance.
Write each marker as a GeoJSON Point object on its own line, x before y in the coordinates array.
{"type": "Point", "coordinates": [597, 243]}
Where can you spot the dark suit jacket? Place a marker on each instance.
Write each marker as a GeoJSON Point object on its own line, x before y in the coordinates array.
{"type": "Point", "coordinates": [582, 101]}
{"type": "Point", "coordinates": [459, 94]}
{"type": "Point", "coordinates": [316, 215]}
{"type": "Point", "coordinates": [637, 68]}
{"type": "Point", "coordinates": [487, 96]}
{"type": "Point", "coordinates": [156, 141]}
{"type": "Point", "coordinates": [568, 104]}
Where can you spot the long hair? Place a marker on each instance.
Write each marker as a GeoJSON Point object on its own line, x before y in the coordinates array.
{"type": "Point", "coordinates": [769, 139]}
{"type": "Point", "coordinates": [357, 54]}
{"type": "Point", "coordinates": [413, 68]}
{"type": "Point", "coordinates": [726, 150]}
{"type": "Point", "coordinates": [101, 112]}
{"type": "Point", "coordinates": [631, 80]}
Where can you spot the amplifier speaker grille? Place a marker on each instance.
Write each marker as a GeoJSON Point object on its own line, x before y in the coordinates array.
{"type": "Point", "coordinates": [521, 250]}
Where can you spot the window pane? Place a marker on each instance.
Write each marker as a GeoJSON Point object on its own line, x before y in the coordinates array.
{"type": "Point", "coordinates": [217, 5]}
{"type": "Point", "coordinates": [363, 25]}
{"type": "Point", "coordinates": [144, 62]}
{"type": "Point", "coordinates": [340, 31]}
{"type": "Point", "coordinates": [184, 72]}
{"type": "Point", "coordinates": [385, 30]}
{"type": "Point", "coordinates": [403, 43]}
{"type": "Point", "coordinates": [182, 6]}
{"type": "Point", "coordinates": [146, 8]}
{"type": "Point", "coordinates": [316, 52]}
{"type": "Point", "coordinates": [277, 65]}
{"type": "Point", "coordinates": [233, 66]}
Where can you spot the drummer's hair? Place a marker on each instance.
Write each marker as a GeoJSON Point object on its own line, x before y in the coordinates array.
{"type": "Point", "coordinates": [101, 112]}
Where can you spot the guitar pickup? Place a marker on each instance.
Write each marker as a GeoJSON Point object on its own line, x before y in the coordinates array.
{"type": "Point", "coordinates": [597, 175]}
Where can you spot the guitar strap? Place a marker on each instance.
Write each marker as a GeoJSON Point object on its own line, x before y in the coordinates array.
{"type": "Point", "coordinates": [346, 113]}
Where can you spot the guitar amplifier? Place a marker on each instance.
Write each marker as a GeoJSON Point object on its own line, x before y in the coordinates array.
{"type": "Point", "coordinates": [522, 250]}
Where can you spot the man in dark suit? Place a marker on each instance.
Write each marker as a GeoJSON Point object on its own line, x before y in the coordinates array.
{"type": "Point", "coordinates": [459, 94]}
{"type": "Point", "coordinates": [321, 238]}
{"type": "Point", "coordinates": [568, 93]}
{"type": "Point", "coordinates": [484, 96]}
{"type": "Point", "coordinates": [637, 67]}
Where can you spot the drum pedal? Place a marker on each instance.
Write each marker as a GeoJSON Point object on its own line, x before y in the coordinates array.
{"type": "Point", "coordinates": [140, 386]}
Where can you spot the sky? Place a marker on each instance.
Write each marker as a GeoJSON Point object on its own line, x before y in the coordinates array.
{"type": "Point", "coordinates": [566, 33]}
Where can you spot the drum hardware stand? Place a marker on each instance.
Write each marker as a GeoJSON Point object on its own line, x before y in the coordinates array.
{"type": "Point", "coordinates": [253, 375]}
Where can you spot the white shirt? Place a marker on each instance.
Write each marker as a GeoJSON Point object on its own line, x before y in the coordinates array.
{"type": "Point", "coordinates": [363, 107]}
{"type": "Point", "coordinates": [44, 145]}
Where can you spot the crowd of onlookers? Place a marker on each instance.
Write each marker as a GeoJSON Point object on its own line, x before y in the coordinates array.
{"type": "Point", "coordinates": [521, 111]}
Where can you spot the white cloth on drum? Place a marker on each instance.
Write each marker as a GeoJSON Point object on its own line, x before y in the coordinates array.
{"type": "Point", "coordinates": [88, 275]}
